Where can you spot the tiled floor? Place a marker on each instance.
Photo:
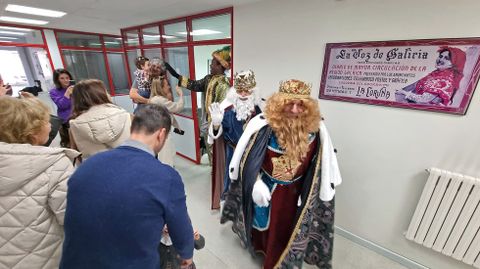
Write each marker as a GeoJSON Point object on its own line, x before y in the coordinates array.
{"type": "Point", "coordinates": [223, 250]}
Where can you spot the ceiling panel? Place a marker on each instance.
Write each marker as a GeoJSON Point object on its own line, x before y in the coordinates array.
{"type": "Point", "coordinates": [109, 16]}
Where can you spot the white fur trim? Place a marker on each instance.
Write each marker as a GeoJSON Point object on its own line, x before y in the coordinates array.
{"type": "Point", "coordinates": [253, 126]}
{"type": "Point", "coordinates": [330, 171]}
{"type": "Point", "coordinates": [211, 135]}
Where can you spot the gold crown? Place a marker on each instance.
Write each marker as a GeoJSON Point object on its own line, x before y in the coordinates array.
{"type": "Point", "coordinates": [295, 88]}
{"type": "Point", "coordinates": [245, 81]}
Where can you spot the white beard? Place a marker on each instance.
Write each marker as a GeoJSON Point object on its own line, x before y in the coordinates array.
{"type": "Point", "coordinates": [244, 108]}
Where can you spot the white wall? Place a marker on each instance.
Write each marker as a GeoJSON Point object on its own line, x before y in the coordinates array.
{"type": "Point", "coordinates": [382, 151]}
{"type": "Point", "coordinates": [185, 144]}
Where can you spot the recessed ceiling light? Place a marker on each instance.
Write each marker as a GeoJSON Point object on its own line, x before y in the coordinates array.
{"type": "Point", "coordinates": [168, 36]}
{"type": "Point", "coordinates": [22, 20]}
{"type": "Point", "coordinates": [6, 41]}
{"type": "Point", "coordinates": [16, 29]}
{"type": "Point", "coordinates": [35, 11]}
{"type": "Point", "coordinates": [201, 32]}
{"type": "Point", "coordinates": [11, 33]}
{"type": "Point", "coordinates": [8, 37]}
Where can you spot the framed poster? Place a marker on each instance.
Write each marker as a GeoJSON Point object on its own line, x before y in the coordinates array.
{"type": "Point", "coordinates": [436, 75]}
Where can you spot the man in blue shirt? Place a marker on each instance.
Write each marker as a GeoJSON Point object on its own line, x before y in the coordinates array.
{"type": "Point", "coordinates": [119, 201]}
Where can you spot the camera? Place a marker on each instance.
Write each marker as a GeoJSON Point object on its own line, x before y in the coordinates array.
{"type": "Point", "coordinates": [72, 83]}
{"type": "Point", "coordinates": [178, 131]}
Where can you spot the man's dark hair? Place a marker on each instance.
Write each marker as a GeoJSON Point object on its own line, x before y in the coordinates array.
{"type": "Point", "coordinates": [151, 118]}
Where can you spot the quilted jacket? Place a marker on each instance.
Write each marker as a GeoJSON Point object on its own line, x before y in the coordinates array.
{"type": "Point", "coordinates": [33, 186]}
{"type": "Point", "coordinates": [101, 128]}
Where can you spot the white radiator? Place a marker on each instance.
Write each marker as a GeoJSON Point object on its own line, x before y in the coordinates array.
{"type": "Point", "coordinates": [447, 218]}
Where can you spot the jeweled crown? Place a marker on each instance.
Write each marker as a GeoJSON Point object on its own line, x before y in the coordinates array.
{"type": "Point", "coordinates": [244, 81]}
{"type": "Point", "coordinates": [295, 88]}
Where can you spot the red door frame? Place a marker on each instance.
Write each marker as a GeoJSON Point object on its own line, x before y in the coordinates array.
{"type": "Point", "coordinates": [190, 44]}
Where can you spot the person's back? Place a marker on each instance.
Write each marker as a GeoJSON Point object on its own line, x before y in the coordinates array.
{"type": "Point", "coordinates": [118, 203]}
{"type": "Point", "coordinates": [33, 182]}
{"type": "Point", "coordinates": [100, 128]}
{"type": "Point", "coordinates": [32, 199]}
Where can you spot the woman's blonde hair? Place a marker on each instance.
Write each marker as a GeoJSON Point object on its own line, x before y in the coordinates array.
{"type": "Point", "coordinates": [158, 88]}
{"type": "Point", "coordinates": [21, 119]}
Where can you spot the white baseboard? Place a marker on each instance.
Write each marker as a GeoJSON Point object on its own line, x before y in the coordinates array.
{"type": "Point", "coordinates": [379, 249]}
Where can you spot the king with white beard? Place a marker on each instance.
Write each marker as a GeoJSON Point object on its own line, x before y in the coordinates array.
{"type": "Point", "coordinates": [228, 122]}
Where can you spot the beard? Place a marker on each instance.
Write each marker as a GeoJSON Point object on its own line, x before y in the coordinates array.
{"type": "Point", "coordinates": [292, 132]}
{"type": "Point", "coordinates": [244, 108]}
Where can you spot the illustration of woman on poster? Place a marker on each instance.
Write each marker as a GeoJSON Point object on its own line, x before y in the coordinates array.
{"type": "Point", "coordinates": [439, 86]}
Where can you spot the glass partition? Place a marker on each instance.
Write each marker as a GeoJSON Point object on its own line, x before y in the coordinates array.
{"type": "Point", "coordinates": [151, 35]}
{"type": "Point", "coordinates": [9, 34]}
{"type": "Point", "coordinates": [116, 63]}
{"type": "Point", "coordinates": [175, 32]}
{"type": "Point", "coordinates": [209, 31]}
{"type": "Point", "coordinates": [215, 27]}
{"type": "Point", "coordinates": [85, 65]}
{"type": "Point", "coordinates": [78, 40]}
{"type": "Point", "coordinates": [152, 53]}
{"type": "Point", "coordinates": [177, 57]}
{"type": "Point", "coordinates": [132, 38]}
{"type": "Point", "coordinates": [112, 42]}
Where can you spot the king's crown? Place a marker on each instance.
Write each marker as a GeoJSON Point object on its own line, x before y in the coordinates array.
{"type": "Point", "coordinates": [295, 88]}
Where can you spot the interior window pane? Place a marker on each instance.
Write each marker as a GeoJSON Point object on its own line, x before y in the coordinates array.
{"type": "Point", "coordinates": [216, 27]}
{"type": "Point", "coordinates": [132, 38]}
{"type": "Point", "coordinates": [175, 32]}
{"type": "Point", "coordinates": [78, 40]}
{"type": "Point", "coordinates": [151, 35]}
{"type": "Point", "coordinates": [9, 34]}
{"type": "Point", "coordinates": [85, 65]}
{"type": "Point", "coordinates": [178, 59]}
{"type": "Point", "coordinates": [116, 63]}
{"type": "Point", "coordinates": [112, 42]}
{"type": "Point", "coordinates": [152, 53]}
